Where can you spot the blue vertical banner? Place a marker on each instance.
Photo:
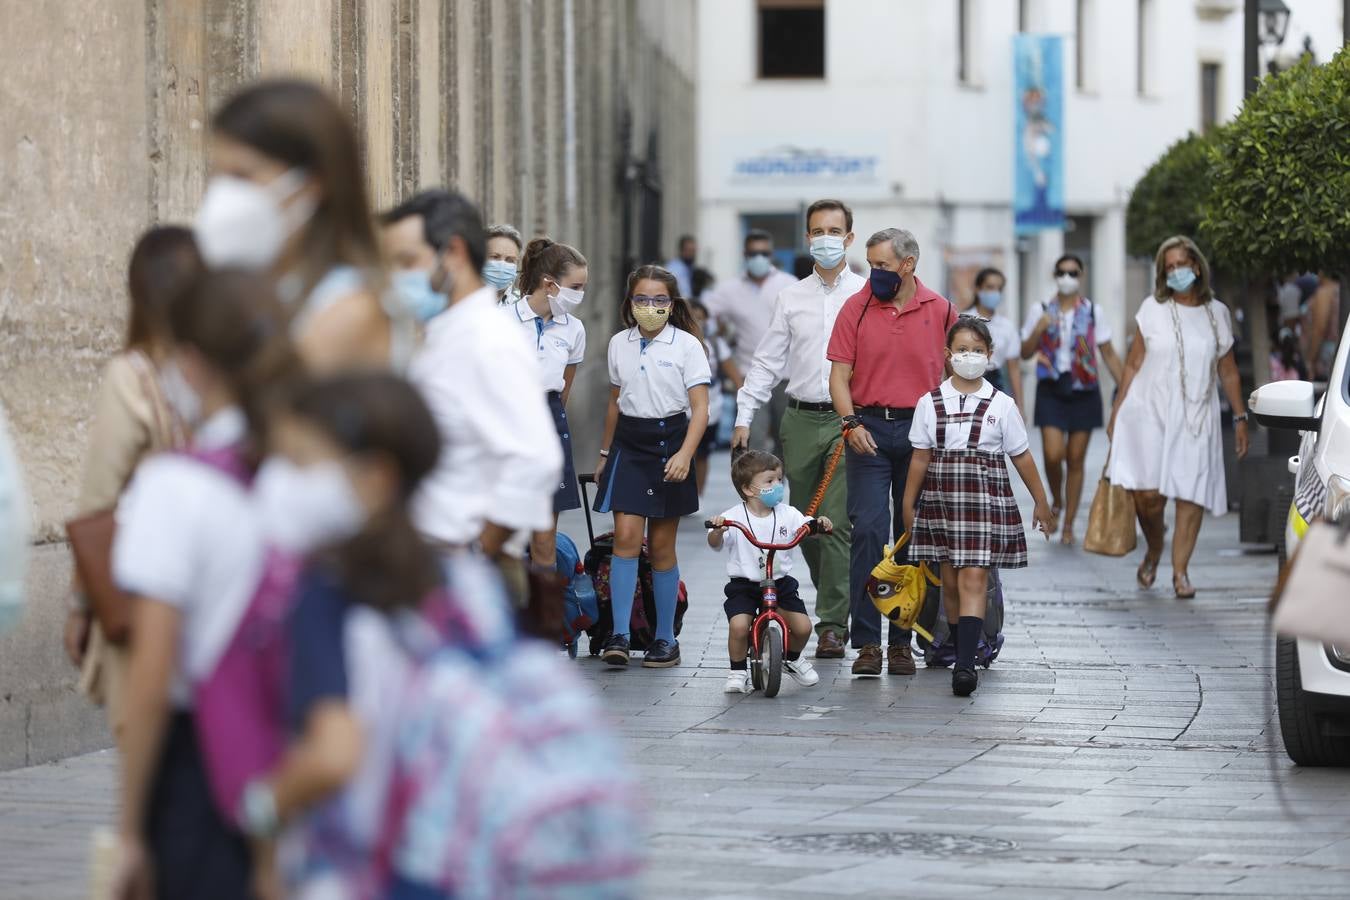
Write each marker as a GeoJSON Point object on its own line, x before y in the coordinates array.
{"type": "Point", "coordinates": [1038, 133]}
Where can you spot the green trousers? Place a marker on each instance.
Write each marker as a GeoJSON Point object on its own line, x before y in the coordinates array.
{"type": "Point", "coordinates": [808, 440]}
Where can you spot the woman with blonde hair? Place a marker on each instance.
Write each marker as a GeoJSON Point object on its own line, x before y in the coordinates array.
{"type": "Point", "coordinates": [1165, 439]}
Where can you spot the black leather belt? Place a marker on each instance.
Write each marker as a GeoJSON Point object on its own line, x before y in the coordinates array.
{"type": "Point", "coordinates": [794, 403]}
{"type": "Point", "coordinates": [889, 413]}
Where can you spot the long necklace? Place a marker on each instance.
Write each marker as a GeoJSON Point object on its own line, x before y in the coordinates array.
{"type": "Point", "coordinates": [750, 523]}
{"type": "Point", "coordinates": [1195, 421]}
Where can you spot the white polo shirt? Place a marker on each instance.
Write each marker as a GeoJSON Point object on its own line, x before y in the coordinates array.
{"type": "Point", "coordinates": [189, 536]}
{"type": "Point", "coordinates": [501, 460]}
{"type": "Point", "coordinates": [654, 377]}
{"type": "Point", "coordinates": [558, 343]}
{"type": "Point", "coordinates": [1003, 426]}
{"type": "Point", "coordinates": [747, 560]}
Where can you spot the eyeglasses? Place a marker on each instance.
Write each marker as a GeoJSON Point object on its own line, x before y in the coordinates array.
{"type": "Point", "coordinates": [1072, 273]}
{"type": "Point", "coordinates": [644, 301]}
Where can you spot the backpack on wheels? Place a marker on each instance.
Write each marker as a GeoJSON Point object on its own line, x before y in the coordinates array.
{"type": "Point", "coordinates": [940, 651]}
{"type": "Point", "coordinates": [642, 625]}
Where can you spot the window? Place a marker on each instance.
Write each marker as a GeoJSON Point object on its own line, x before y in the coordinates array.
{"type": "Point", "coordinates": [1085, 57]}
{"type": "Point", "coordinates": [967, 71]}
{"type": "Point", "coordinates": [1026, 14]}
{"type": "Point", "coordinates": [791, 38]}
{"type": "Point", "coordinates": [1209, 96]}
{"type": "Point", "coordinates": [1143, 46]}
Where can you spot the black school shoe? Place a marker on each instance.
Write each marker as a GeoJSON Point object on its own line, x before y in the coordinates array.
{"type": "Point", "coordinates": [616, 650]}
{"type": "Point", "coordinates": [662, 655]}
{"type": "Point", "coordinates": [964, 682]}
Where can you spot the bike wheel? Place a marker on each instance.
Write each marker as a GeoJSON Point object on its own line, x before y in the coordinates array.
{"type": "Point", "coordinates": [772, 659]}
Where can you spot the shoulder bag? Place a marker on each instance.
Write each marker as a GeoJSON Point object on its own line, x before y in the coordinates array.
{"type": "Point", "coordinates": [1110, 530]}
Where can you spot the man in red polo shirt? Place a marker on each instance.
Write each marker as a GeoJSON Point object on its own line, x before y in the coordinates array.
{"type": "Point", "coordinates": [886, 352]}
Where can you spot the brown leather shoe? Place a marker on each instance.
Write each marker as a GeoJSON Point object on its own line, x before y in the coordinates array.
{"type": "Point", "coordinates": [899, 659]}
{"type": "Point", "coordinates": [868, 661]}
{"type": "Point", "coordinates": [829, 645]}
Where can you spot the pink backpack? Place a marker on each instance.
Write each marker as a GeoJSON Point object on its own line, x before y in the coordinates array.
{"type": "Point", "coordinates": [239, 708]}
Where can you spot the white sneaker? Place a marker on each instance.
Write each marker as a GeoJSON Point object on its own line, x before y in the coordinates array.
{"type": "Point", "coordinates": [738, 682]}
{"type": "Point", "coordinates": [802, 671]}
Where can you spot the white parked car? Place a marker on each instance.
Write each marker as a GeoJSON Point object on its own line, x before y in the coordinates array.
{"type": "Point", "coordinates": [1312, 677]}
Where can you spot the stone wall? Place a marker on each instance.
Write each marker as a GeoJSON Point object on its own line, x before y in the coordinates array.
{"type": "Point", "coordinates": [564, 117]}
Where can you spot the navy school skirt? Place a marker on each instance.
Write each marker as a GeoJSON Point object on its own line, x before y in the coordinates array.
{"type": "Point", "coordinates": [634, 479]}
{"type": "Point", "coordinates": [195, 851]}
{"type": "Point", "coordinates": [1076, 411]}
{"type": "Point", "coordinates": [566, 497]}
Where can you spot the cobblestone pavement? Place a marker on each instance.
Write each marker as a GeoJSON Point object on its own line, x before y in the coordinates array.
{"type": "Point", "coordinates": [1119, 746]}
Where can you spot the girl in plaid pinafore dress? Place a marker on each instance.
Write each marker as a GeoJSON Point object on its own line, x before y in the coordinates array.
{"type": "Point", "coordinates": [958, 502]}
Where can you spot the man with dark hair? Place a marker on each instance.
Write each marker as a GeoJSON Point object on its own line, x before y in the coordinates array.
{"type": "Point", "coordinates": [502, 459]}
{"type": "Point", "coordinates": [745, 306]}
{"type": "Point", "coordinates": [682, 265]}
{"type": "Point", "coordinates": [792, 351]}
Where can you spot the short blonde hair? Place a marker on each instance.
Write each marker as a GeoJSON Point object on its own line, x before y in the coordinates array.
{"type": "Point", "coordinates": [1202, 287]}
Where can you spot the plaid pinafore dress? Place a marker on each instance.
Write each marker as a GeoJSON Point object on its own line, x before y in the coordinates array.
{"type": "Point", "coordinates": [966, 514]}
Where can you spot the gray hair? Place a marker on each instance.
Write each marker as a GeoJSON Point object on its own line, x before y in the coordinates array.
{"type": "Point", "coordinates": [901, 241]}
{"type": "Point", "coordinates": [506, 231]}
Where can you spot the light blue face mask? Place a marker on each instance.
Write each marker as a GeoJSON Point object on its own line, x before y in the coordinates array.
{"type": "Point", "coordinates": [758, 265]}
{"type": "Point", "coordinates": [772, 496]}
{"type": "Point", "coordinates": [989, 299]}
{"type": "Point", "coordinates": [412, 290]}
{"type": "Point", "coordinates": [499, 273]}
{"type": "Point", "coordinates": [827, 250]}
{"type": "Point", "coordinates": [1181, 279]}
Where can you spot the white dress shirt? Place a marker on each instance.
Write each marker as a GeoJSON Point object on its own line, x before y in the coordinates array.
{"type": "Point", "coordinates": [188, 535]}
{"type": "Point", "coordinates": [1003, 428]}
{"type": "Point", "coordinates": [747, 307]}
{"type": "Point", "coordinates": [654, 376]}
{"type": "Point", "coordinates": [746, 560]}
{"type": "Point", "coordinates": [501, 459]}
{"type": "Point", "coordinates": [795, 343]}
{"type": "Point", "coordinates": [559, 344]}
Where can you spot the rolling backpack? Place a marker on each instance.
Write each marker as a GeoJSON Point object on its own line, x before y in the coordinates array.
{"type": "Point", "coordinates": [581, 608]}
{"type": "Point", "coordinates": [506, 780]}
{"type": "Point", "coordinates": [939, 652]}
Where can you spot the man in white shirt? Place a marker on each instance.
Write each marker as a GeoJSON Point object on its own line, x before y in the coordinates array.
{"type": "Point", "coordinates": [502, 460]}
{"type": "Point", "coordinates": [682, 265]}
{"type": "Point", "coordinates": [745, 305]}
{"type": "Point", "coordinates": [793, 350]}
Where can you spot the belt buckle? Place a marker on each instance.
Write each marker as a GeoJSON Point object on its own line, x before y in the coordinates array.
{"type": "Point", "coordinates": [886, 414]}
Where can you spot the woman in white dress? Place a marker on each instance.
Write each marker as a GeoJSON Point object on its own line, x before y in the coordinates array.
{"type": "Point", "coordinates": [1165, 425]}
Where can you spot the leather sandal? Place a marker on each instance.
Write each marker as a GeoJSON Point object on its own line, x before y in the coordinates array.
{"type": "Point", "coordinates": [1147, 573]}
{"type": "Point", "coordinates": [1181, 583]}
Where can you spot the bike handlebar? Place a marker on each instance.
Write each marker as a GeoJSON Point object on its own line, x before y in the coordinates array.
{"type": "Point", "coordinates": [811, 526]}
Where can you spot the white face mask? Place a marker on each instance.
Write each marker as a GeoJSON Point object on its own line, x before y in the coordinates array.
{"type": "Point", "coordinates": [970, 365]}
{"type": "Point", "coordinates": [181, 397]}
{"type": "Point", "coordinates": [243, 224]}
{"type": "Point", "coordinates": [565, 302]}
{"type": "Point", "coordinates": [1067, 284]}
{"type": "Point", "coordinates": [305, 507]}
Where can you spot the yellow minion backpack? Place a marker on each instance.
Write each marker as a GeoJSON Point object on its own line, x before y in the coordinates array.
{"type": "Point", "coordinates": [898, 590]}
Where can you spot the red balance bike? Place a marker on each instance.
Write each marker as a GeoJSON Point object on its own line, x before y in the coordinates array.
{"type": "Point", "coordinates": [769, 632]}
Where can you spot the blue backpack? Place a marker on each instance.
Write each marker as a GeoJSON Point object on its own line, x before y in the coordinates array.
{"type": "Point", "coordinates": [581, 608]}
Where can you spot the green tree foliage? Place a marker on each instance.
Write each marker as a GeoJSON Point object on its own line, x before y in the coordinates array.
{"type": "Point", "coordinates": [1280, 196]}
{"type": "Point", "coordinates": [1169, 199]}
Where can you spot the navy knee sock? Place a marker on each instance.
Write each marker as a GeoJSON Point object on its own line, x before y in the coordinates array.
{"type": "Point", "coordinates": [623, 576]}
{"type": "Point", "coordinates": [666, 588]}
{"type": "Point", "coordinates": [969, 630]}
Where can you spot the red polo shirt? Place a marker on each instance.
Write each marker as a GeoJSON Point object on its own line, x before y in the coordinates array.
{"type": "Point", "coordinates": [897, 357]}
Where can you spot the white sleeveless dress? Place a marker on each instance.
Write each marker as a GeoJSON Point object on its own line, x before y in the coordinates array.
{"type": "Point", "coordinates": [1166, 440]}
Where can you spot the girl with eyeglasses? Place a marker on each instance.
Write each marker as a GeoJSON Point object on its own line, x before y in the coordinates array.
{"type": "Point", "coordinates": [658, 410]}
{"type": "Point", "coordinates": [1064, 335]}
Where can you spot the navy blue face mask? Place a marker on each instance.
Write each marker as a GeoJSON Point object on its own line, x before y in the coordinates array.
{"type": "Point", "coordinates": [885, 285]}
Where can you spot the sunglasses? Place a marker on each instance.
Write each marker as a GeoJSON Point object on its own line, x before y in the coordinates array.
{"type": "Point", "coordinates": [1072, 273]}
{"type": "Point", "coordinates": [645, 302]}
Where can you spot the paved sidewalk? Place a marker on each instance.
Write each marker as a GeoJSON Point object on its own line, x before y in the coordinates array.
{"type": "Point", "coordinates": [1119, 747]}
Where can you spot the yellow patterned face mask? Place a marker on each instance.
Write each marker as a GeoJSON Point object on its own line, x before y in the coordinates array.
{"type": "Point", "coordinates": [898, 590]}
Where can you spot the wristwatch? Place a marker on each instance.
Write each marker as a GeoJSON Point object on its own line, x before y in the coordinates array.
{"type": "Point", "coordinates": [604, 453]}
{"type": "Point", "coordinates": [258, 811]}
{"type": "Point", "coordinates": [1241, 418]}
{"type": "Point", "coordinates": [848, 423]}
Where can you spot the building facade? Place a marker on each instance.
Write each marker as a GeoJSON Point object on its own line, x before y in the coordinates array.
{"type": "Point", "coordinates": [573, 118]}
{"type": "Point", "coordinates": [905, 109]}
